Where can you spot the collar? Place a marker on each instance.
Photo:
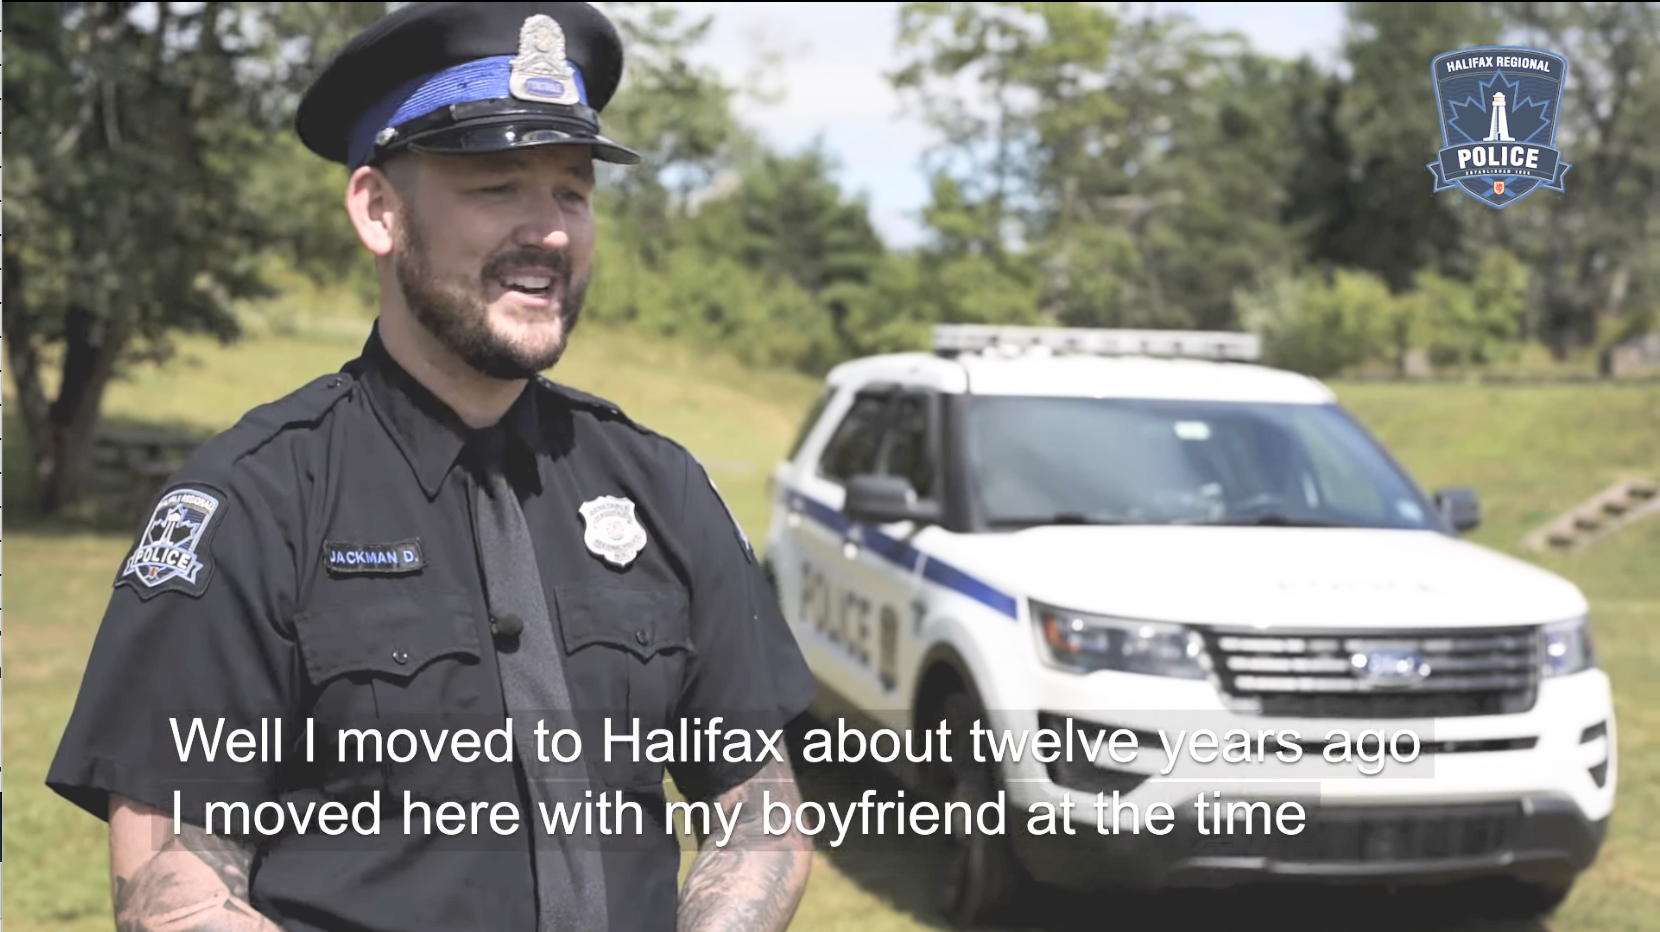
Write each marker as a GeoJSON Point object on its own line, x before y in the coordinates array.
{"type": "Point", "coordinates": [426, 431]}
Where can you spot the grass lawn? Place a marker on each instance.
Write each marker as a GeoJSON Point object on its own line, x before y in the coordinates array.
{"type": "Point", "coordinates": [1529, 451]}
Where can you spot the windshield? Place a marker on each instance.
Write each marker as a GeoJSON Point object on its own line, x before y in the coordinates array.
{"type": "Point", "coordinates": [1038, 460]}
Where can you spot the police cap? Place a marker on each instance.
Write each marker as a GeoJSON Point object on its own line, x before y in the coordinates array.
{"type": "Point", "coordinates": [460, 78]}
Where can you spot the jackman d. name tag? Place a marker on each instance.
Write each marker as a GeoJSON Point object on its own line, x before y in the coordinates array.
{"type": "Point", "coordinates": [353, 558]}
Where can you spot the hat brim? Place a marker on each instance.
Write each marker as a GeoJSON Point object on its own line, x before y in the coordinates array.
{"type": "Point", "coordinates": [502, 137]}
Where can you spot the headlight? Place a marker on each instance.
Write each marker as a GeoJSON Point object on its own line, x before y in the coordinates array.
{"type": "Point", "coordinates": [1084, 643]}
{"type": "Point", "coordinates": [1565, 647]}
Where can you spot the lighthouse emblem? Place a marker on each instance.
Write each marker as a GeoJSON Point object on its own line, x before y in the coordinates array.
{"type": "Point", "coordinates": [1498, 111]}
{"type": "Point", "coordinates": [1498, 130]}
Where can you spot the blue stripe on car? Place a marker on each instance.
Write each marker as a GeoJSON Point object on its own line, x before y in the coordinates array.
{"type": "Point", "coordinates": [906, 557]}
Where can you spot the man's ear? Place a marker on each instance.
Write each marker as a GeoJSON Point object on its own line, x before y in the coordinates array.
{"type": "Point", "coordinates": [376, 207]}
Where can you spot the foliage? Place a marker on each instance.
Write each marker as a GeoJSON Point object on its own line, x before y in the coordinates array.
{"type": "Point", "coordinates": [1320, 324]}
{"type": "Point", "coordinates": [134, 129]}
{"type": "Point", "coordinates": [1097, 165]}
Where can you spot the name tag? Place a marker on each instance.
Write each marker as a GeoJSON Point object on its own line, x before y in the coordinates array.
{"type": "Point", "coordinates": [403, 556]}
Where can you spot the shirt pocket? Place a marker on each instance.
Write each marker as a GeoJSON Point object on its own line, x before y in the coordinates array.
{"type": "Point", "coordinates": [393, 662]}
{"type": "Point", "coordinates": [627, 651]}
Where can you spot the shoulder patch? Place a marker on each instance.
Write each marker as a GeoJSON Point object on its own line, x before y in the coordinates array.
{"type": "Point", "coordinates": [172, 550]}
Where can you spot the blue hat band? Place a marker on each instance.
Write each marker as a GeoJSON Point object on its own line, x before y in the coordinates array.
{"type": "Point", "coordinates": [480, 79]}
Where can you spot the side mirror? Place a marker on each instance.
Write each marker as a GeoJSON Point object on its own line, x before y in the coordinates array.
{"type": "Point", "coordinates": [882, 499]}
{"type": "Point", "coordinates": [1460, 507]}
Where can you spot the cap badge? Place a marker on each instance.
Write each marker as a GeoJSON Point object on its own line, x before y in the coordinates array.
{"type": "Point", "coordinates": [612, 532]}
{"type": "Point", "coordinates": [540, 71]}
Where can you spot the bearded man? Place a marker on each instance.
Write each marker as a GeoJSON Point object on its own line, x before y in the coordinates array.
{"type": "Point", "coordinates": [438, 539]}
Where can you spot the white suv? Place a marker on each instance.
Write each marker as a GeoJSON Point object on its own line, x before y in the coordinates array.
{"type": "Point", "coordinates": [1105, 530]}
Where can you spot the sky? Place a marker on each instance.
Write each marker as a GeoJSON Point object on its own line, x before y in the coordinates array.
{"type": "Point", "coordinates": [827, 80]}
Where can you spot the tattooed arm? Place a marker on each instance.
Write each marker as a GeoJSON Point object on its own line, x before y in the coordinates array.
{"type": "Point", "coordinates": [754, 882]}
{"type": "Point", "coordinates": [190, 882]}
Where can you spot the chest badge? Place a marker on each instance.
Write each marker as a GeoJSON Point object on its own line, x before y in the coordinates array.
{"type": "Point", "coordinates": [612, 532]}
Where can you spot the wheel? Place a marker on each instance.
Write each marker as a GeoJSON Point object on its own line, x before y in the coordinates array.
{"type": "Point", "coordinates": [977, 876]}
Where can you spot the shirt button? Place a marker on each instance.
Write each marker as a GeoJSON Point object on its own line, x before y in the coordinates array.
{"type": "Point", "coordinates": [400, 657]}
{"type": "Point", "coordinates": [334, 382]}
{"type": "Point", "coordinates": [641, 638]}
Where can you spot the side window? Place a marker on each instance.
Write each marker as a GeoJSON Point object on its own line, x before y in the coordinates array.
{"type": "Point", "coordinates": [811, 419]}
{"type": "Point", "coordinates": [910, 454]}
{"type": "Point", "coordinates": [852, 449]}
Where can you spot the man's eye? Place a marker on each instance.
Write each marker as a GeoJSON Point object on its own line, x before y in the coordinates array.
{"type": "Point", "coordinates": [573, 198]}
{"type": "Point", "coordinates": [497, 189]}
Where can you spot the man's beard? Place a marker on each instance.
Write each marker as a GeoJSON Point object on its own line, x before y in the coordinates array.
{"type": "Point", "coordinates": [454, 311]}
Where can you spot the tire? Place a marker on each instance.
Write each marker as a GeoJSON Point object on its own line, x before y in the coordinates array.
{"type": "Point", "coordinates": [977, 876]}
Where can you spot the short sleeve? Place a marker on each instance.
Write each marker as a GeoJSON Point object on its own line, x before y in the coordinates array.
{"type": "Point", "coordinates": [747, 669]}
{"type": "Point", "coordinates": [191, 649]}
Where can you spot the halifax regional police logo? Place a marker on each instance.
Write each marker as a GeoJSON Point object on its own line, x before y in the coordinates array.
{"type": "Point", "coordinates": [167, 550]}
{"type": "Point", "coordinates": [1498, 113]}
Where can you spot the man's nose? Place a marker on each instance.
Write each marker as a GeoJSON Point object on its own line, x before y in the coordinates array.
{"type": "Point", "coordinates": [546, 227]}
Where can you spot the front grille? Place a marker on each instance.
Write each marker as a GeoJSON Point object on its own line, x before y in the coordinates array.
{"type": "Point", "coordinates": [1430, 674]}
{"type": "Point", "coordinates": [1370, 834]}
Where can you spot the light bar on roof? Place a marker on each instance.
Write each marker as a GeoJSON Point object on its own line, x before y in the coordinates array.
{"type": "Point", "coordinates": [1192, 344]}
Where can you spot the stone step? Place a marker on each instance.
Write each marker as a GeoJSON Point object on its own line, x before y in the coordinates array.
{"type": "Point", "coordinates": [1602, 515]}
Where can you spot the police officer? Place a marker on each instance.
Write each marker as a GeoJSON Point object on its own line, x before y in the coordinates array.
{"type": "Point", "coordinates": [436, 540]}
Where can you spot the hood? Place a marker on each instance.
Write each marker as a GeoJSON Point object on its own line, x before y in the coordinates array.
{"type": "Point", "coordinates": [1282, 577]}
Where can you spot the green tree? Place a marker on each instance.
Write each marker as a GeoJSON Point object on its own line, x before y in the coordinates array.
{"type": "Point", "coordinates": [1475, 322]}
{"type": "Point", "coordinates": [1597, 247]}
{"type": "Point", "coordinates": [1392, 225]}
{"type": "Point", "coordinates": [134, 126]}
{"type": "Point", "coordinates": [677, 114]}
{"type": "Point", "coordinates": [787, 218]}
{"type": "Point", "coordinates": [1319, 324]}
{"type": "Point", "coordinates": [1321, 193]}
{"type": "Point", "coordinates": [1129, 164]}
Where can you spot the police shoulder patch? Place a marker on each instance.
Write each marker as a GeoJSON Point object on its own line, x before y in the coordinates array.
{"type": "Point", "coordinates": [172, 550]}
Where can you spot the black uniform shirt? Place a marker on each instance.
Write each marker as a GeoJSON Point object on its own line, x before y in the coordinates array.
{"type": "Point", "coordinates": [317, 561]}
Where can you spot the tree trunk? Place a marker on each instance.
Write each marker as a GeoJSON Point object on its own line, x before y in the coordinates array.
{"type": "Point", "coordinates": [88, 364]}
{"type": "Point", "coordinates": [1612, 318]}
{"type": "Point", "coordinates": [22, 353]}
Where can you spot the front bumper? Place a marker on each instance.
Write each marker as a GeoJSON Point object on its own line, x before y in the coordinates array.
{"type": "Point", "coordinates": [1525, 795]}
{"type": "Point", "coordinates": [1542, 839]}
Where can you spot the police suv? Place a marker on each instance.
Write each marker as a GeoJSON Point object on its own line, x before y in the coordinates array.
{"type": "Point", "coordinates": [1144, 533]}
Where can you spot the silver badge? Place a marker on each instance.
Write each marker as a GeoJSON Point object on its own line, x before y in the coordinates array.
{"type": "Point", "coordinates": [613, 532]}
{"type": "Point", "coordinates": [540, 71]}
